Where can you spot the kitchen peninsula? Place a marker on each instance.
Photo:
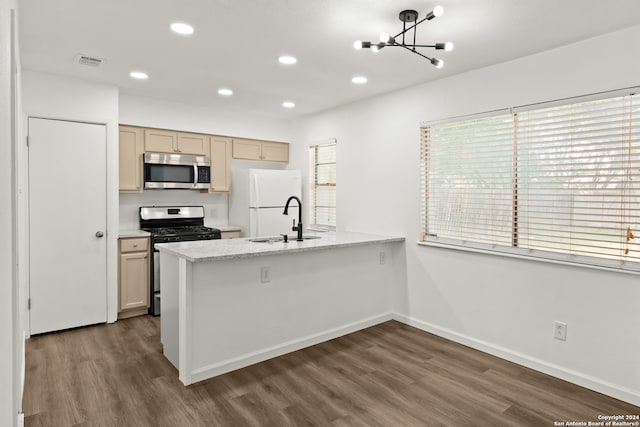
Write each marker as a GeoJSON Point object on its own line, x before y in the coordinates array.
{"type": "Point", "coordinates": [231, 303]}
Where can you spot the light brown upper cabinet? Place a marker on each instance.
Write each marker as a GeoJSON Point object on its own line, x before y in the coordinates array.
{"type": "Point", "coordinates": [193, 143]}
{"type": "Point", "coordinates": [252, 149]}
{"type": "Point", "coordinates": [131, 148]}
{"type": "Point", "coordinates": [220, 163]}
{"type": "Point", "coordinates": [164, 141]}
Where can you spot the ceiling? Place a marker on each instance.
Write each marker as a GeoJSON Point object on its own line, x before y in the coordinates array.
{"type": "Point", "coordinates": [237, 42]}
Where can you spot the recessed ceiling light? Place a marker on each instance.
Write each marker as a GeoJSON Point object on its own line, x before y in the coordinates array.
{"type": "Point", "coordinates": [139, 75]}
{"type": "Point", "coordinates": [288, 104]}
{"type": "Point", "coordinates": [225, 92]}
{"type": "Point", "coordinates": [181, 28]}
{"type": "Point", "coordinates": [287, 60]}
{"type": "Point", "coordinates": [359, 80]}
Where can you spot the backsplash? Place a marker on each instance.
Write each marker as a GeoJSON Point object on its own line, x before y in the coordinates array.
{"type": "Point", "coordinates": [216, 206]}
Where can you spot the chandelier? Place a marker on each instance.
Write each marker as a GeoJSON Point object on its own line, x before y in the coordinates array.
{"type": "Point", "coordinates": [410, 22]}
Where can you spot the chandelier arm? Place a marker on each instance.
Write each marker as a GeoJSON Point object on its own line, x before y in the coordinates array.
{"type": "Point", "coordinates": [424, 45]}
{"type": "Point", "coordinates": [408, 46]}
{"type": "Point", "coordinates": [414, 51]}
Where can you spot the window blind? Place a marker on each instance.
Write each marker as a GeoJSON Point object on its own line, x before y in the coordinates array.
{"type": "Point", "coordinates": [558, 182]}
{"type": "Point", "coordinates": [322, 160]}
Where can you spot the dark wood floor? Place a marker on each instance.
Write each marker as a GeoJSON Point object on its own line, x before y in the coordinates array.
{"type": "Point", "coordinates": [387, 375]}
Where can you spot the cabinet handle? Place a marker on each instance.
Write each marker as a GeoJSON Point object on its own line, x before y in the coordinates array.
{"type": "Point", "coordinates": [135, 245]}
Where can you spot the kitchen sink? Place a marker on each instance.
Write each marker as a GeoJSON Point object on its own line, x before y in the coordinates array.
{"type": "Point", "coordinates": [292, 238]}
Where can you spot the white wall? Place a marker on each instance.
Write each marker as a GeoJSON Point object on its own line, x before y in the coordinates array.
{"type": "Point", "coordinates": [53, 96]}
{"type": "Point", "coordinates": [500, 305]}
{"type": "Point", "coordinates": [11, 356]}
{"type": "Point", "coordinates": [151, 112]}
{"type": "Point", "coordinates": [140, 111]}
{"type": "Point", "coordinates": [216, 209]}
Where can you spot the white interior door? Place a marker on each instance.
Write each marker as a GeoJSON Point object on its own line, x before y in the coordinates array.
{"type": "Point", "coordinates": [67, 214]}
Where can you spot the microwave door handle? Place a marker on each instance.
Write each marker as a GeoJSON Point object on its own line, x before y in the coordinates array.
{"type": "Point", "coordinates": [195, 175]}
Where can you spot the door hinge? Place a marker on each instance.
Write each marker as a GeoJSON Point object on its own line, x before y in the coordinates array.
{"type": "Point", "coordinates": [28, 303]}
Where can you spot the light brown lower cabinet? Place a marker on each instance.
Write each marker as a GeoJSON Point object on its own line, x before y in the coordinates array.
{"type": "Point", "coordinates": [133, 265]}
{"type": "Point", "coordinates": [230, 234]}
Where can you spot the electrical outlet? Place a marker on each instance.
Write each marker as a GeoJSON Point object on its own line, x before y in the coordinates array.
{"type": "Point", "coordinates": [265, 274]}
{"type": "Point", "coordinates": [383, 257]}
{"type": "Point", "coordinates": [560, 331]}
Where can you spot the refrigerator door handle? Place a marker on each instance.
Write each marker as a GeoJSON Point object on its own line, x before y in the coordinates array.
{"type": "Point", "coordinates": [257, 217]}
{"type": "Point", "coordinates": [257, 191]}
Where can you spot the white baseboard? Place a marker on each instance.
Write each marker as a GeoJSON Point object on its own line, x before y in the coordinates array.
{"type": "Point", "coordinates": [20, 422]}
{"type": "Point", "coordinates": [587, 381]}
{"type": "Point", "coordinates": [229, 365]}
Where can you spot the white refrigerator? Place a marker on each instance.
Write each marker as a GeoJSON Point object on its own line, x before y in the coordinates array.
{"type": "Point", "coordinates": [257, 200]}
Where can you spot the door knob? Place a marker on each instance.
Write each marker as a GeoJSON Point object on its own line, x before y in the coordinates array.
{"type": "Point", "coordinates": [99, 234]}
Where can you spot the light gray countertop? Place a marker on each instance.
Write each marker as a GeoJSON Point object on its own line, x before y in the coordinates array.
{"type": "Point", "coordinates": [123, 234]}
{"type": "Point", "coordinates": [222, 249]}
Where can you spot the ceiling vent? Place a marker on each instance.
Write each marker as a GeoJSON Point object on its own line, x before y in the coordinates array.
{"type": "Point", "coordinates": [89, 61]}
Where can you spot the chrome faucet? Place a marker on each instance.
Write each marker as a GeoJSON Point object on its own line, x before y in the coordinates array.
{"type": "Point", "coordinates": [286, 212]}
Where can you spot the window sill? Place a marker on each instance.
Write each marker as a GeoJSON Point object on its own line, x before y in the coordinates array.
{"type": "Point", "coordinates": [533, 258]}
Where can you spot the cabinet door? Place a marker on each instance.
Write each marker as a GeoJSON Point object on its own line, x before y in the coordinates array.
{"type": "Point", "coordinates": [131, 147]}
{"type": "Point", "coordinates": [160, 141]}
{"type": "Point", "coordinates": [193, 143]}
{"type": "Point", "coordinates": [247, 149]}
{"type": "Point", "coordinates": [230, 234]}
{"type": "Point", "coordinates": [220, 163]}
{"type": "Point", "coordinates": [134, 280]}
{"type": "Point", "coordinates": [275, 151]}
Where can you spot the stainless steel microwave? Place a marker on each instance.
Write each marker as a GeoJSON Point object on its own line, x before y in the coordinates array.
{"type": "Point", "coordinates": [176, 171]}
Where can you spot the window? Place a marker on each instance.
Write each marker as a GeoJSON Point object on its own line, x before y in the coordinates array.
{"type": "Point", "coordinates": [559, 182]}
{"type": "Point", "coordinates": [322, 161]}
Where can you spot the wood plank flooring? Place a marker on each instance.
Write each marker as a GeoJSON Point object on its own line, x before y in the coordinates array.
{"type": "Point", "coordinates": [387, 375]}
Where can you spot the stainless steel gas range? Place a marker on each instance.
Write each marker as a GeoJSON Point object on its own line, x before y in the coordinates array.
{"type": "Point", "coordinates": [171, 224]}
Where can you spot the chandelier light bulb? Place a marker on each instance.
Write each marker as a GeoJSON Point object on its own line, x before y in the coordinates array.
{"type": "Point", "coordinates": [385, 37]}
{"type": "Point", "coordinates": [437, 62]}
{"type": "Point", "coordinates": [438, 11]}
{"type": "Point", "coordinates": [375, 48]}
{"type": "Point", "coordinates": [448, 46]}
{"type": "Point", "coordinates": [357, 44]}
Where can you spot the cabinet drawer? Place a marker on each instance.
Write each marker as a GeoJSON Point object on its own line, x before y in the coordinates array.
{"type": "Point", "coordinates": [230, 234]}
{"type": "Point", "coordinates": [139, 244]}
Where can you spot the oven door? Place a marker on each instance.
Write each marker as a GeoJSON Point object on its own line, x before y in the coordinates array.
{"type": "Point", "coordinates": [176, 171]}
